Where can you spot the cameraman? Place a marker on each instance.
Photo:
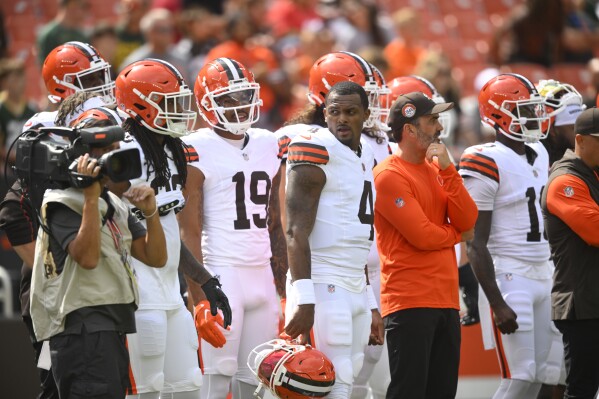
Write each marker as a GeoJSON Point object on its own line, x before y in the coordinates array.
{"type": "Point", "coordinates": [83, 293]}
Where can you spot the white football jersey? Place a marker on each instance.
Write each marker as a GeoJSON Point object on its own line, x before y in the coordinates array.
{"type": "Point", "coordinates": [285, 134]}
{"type": "Point", "coordinates": [381, 149]}
{"type": "Point", "coordinates": [343, 231]}
{"type": "Point", "coordinates": [41, 119]}
{"type": "Point", "coordinates": [237, 190]}
{"type": "Point", "coordinates": [159, 287]}
{"type": "Point", "coordinates": [504, 182]}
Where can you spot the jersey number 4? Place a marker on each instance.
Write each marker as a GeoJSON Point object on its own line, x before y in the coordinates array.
{"type": "Point", "coordinates": [366, 214]}
{"type": "Point", "coordinates": [243, 222]}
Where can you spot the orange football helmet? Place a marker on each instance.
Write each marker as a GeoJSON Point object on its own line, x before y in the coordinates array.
{"type": "Point", "coordinates": [99, 113]}
{"type": "Point", "coordinates": [153, 92]}
{"type": "Point", "coordinates": [77, 66]}
{"type": "Point", "coordinates": [411, 83]}
{"type": "Point", "coordinates": [226, 85]}
{"type": "Point", "coordinates": [510, 104]}
{"type": "Point", "coordinates": [292, 371]}
{"type": "Point", "coordinates": [331, 69]}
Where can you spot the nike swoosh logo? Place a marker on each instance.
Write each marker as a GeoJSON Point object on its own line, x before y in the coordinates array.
{"type": "Point", "coordinates": [306, 137]}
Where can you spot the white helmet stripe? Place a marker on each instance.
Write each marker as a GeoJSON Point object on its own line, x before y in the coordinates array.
{"type": "Point", "coordinates": [232, 68]}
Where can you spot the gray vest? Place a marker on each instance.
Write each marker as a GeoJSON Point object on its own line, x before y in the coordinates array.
{"type": "Point", "coordinates": [54, 296]}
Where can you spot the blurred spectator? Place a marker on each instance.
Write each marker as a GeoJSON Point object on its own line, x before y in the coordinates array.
{"type": "Point", "coordinates": [201, 32]}
{"type": "Point", "coordinates": [405, 51]}
{"type": "Point", "coordinates": [174, 6]}
{"type": "Point", "coordinates": [566, 103]}
{"type": "Point", "coordinates": [3, 36]}
{"type": "Point", "coordinates": [531, 33]}
{"type": "Point", "coordinates": [15, 110]}
{"type": "Point", "coordinates": [288, 16]}
{"type": "Point", "coordinates": [375, 56]}
{"type": "Point", "coordinates": [436, 67]}
{"type": "Point", "coordinates": [128, 28]}
{"type": "Point", "coordinates": [257, 58]}
{"type": "Point", "coordinates": [581, 33]}
{"type": "Point", "coordinates": [366, 28]}
{"type": "Point", "coordinates": [213, 6]}
{"type": "Point", "coordinates": [590, 95]}
{"type": "Point", "coordinates": [315, 40]}
{"type": "Point", "coordinates": [104, 39]}
{"type": "Point", "coordinates": [158, 29]}
{"type": "Point", "coordinates": [65, 27]}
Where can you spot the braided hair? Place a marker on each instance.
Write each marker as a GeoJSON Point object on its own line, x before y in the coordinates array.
{"type": "Point", "coordinates": [72, 105]}
{"type": "Point", "coordinates": [154, 153]}
{"type": "Point", "coordinates": [310, 115]}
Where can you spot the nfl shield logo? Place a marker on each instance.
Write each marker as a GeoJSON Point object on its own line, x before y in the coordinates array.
{"type": "Point", "coordinates": [569, 191]}
{"type": "Point", "coordinates": [331, 288]}
{"type": "Point", "coordinates": [399, 202]}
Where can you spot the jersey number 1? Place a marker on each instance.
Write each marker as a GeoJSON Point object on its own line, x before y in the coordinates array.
{"type": "Point", "coordinates": [242, 222]}
{"type": "Point", "coordinates": [534, 235]}
{"type": "Point", "coordinates": [367, 218]}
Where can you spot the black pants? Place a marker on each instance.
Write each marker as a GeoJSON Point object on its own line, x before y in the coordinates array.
{"type": "Point", "coordinates": [90, 365]}
{"type": "Point", "coordinates": [424, 353]}
{"type": "Point", "coordinates": [581, 353]}
{"type": "Point", "coordinates": [47, 384]}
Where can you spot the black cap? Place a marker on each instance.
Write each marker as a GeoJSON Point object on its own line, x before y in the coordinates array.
{"type": "Point", "coordinates": [587, 122]}
{"type": "Point", "coordinates": [409, 107]}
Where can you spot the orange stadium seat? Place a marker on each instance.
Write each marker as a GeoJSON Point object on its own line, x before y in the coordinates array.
{"type": "Point", "coordinates": [501, 6]}
{"type": "Point", "coordinates": [105, 10]}
{"type": "Point", "coordinates": [575, 74]}
{"type": "Point", "coordinates": [533, 72]}
{"type": "Point", "coordinates": [49, 8]}
{"type": "Point", "coordinates": [433, 27]}
{"type": "Point", "coordinates": [22, 27]}
{"type": "Point", "coordinates": [450, 6]}
{"type": "Point", "coordinates": [462, 52]}
{"type": "Point", "coordinates": [470, 24]}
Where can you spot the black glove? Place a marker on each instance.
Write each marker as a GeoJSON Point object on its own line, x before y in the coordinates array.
{"type": "Point", "coordinates": [217, 299]}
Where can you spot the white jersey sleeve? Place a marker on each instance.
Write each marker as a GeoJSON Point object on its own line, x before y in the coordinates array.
{"type": "Point", "coordinates": [285, 134]}
{"type": "Point", "coordinates": [343, 231]}
{"type": "Point", "coordinates": [236, 194]}
{"type": "Point", "coordinates": [517, 181]}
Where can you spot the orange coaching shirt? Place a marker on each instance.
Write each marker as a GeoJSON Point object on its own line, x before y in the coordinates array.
{"type": "Point", "coordinates": [420, 212]}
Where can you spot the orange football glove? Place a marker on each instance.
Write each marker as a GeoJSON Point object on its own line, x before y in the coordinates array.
{"type": "Point", "coordinates": [207, 325]}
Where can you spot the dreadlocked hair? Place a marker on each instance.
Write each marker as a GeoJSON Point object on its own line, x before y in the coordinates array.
{"type": "Point", "coordinates": [154, 153]}
{"type": "Point", "coordinates": [70, 105]}
{"type": "Point", "coordinates": [310, 115]}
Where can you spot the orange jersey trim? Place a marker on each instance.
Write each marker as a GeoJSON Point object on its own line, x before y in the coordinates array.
{"type": "Point", "coordinates": [480, 163]}
{"type": "Point", "coordinates": [283, 146]}
{"type": "Point", "coordinates": [310, 153]}
{"type": "Point", "coordinates": [503, 363]}
{"type": "Point", "coordinates": [191, 155]}
{"type": "Point", "coordinates": [132, 388]}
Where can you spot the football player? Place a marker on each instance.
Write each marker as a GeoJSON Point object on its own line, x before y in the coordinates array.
{"type": "Point", "coordinates": [330, 230]}
{"type": "Point", "coordinates": [509, 253]}
{"type": "Point", "coordinates": [163, 352]}
{"type": "Point", "coordinates": [69, 68]}
{"type": "Point", "coordinates": [232, 221]}
{"type": "Point", "coordinates": [566, 104]}
{"type": "Point", "coordinates": [328, 70]}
